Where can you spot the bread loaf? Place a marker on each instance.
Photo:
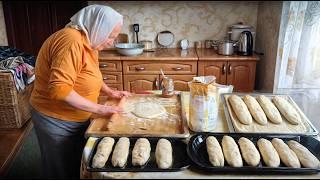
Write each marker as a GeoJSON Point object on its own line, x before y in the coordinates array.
{"type": "Point", "coordinates": [164, 154]}
{"type": "Point", "coordinates": [287, 156]}
{"type": "Point", "coordinates": [268, 152]}
{"type": "Point", "coordinates": [214, 151]}
{"type": "Point", "coordinates": [269, 109]}
{"type": "Point", "coordinates": [287, 110]}
{"type": "Point", "coordinates": [241, 110]}
{"type": "Point", "coordinates": [141, 152]}
{"type": "Point", "coordinates": [249, 152]}
{"type": "Point", "coordinates": [255, 109]}
{"type": "Point", "coordinates": [103, 152]}
{"type": "Point", "coordinates": [121, 152]}
{"type": "Point", "coordinates": [231, 152]}
{"type": "Point", "coordinates": [306, 158]}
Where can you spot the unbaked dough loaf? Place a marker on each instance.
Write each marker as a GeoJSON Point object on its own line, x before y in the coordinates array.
{"type": "Point", "coordinates": [141, 152]}
{"type": "Point", "coordinates": [269, 109]}
{"type": "Point", "coordinates": [255, 109]}
{"type": "Point", "coordinates": [231, 152]}
{"type": "Point", "coordinates": [241, 110]}
{"type": "Point", "coordinates": [103, 151]}
{"type": "Point", "coordinates": [121, 152]}
{"type": "Point", "coordinates": [268, 152]}
{"type": "Point", "coordinates": [164, 154]}
{"type": "Point", "coordinates": [287, 156]}
{"type": "Point", "coordinates": [287, 110]}
{"type": "Point", "coordinates": [249, 152]}
{"type": "Point", "coordinates": [148, 110]}
{"type": "Point", "coordinates": [214, 151]}
{"type": "Point", "coordinates": [306, 158]}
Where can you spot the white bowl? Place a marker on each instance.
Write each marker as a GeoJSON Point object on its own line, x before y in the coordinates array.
{"type": "Point", "coordinates": [129, 49]}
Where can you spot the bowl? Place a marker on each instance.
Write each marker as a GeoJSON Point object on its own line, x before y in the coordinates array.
{"type": "Point", "coordinates": [129, 49]}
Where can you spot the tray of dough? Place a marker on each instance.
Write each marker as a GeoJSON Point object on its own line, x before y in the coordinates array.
{"type": "Point", "coordinates": [265, 113]}
{"type": "Point", "coordinates": [144, 115]}
{"type": "Point", "coordinates": [255, 153]}
{"type": "Point", "coordinates": [138, 154]}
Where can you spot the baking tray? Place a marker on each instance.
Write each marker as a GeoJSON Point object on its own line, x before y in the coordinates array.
{"type": "Point", "coordinates": [198, 153]}
{"type": "Point", "coordinates": [179, 150]}
{"type": "Point", "coordinates": [227, 110]}
{"type": "Point", "coordinates": [177, 125]}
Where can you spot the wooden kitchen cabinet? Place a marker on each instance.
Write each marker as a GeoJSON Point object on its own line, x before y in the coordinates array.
{"type": "Point", "coordinates": [180, 81]}
{"type": "Point", "coordinates": [134, 83]}
{"type": "Point", "coordinates": [215, 68]}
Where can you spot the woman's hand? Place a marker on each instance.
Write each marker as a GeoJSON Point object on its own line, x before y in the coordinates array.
{"type": "Point", "coordinates": [108, 110]}
{"type": "Point", "coordinates": [119, 94]}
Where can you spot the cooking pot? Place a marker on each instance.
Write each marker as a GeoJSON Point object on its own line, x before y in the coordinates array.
{"type": "Point", "coordinates": [236, 30]}
{"type": "Point", "coordinates": [225, 47]}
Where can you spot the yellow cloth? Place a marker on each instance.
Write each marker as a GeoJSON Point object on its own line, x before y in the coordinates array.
{"type": "Point", "coordinates": [65, 62]}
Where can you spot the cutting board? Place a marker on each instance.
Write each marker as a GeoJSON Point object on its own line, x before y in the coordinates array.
{"type": "Point", "coordinates": [171, 124]}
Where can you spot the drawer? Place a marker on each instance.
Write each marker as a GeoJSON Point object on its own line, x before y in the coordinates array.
{"type": "Point", "coordinates": [111, 77]}
{"type": "Point", "coordinates": [171, 67]}
{"type": "Point", "coordinates": [118, 87]}
{"type": "Point", "coordinates": [110, 65]}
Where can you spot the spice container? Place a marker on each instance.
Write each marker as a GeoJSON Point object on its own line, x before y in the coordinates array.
{"type": "Point", "coordinates": [168, 87]}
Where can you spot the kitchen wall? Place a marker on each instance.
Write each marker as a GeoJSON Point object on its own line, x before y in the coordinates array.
{"type": "Point", "coordinates": [193, 20]}
{"type": "Point", "coordinates": [3, 33]}
{"type": "Point", "coordinates": [268, 25]}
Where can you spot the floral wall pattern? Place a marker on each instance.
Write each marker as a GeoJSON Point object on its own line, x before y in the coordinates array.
{"type": "Point", "coordinates": [3, 33]}
{"type": "Point", "coordinates": [192, 20]}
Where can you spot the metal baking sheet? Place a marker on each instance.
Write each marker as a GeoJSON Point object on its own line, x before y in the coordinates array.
{"type": "Point", "coordinates": [231, 127]}
{"type": "Point", "coordinates": [197, 152]}
{"type": "Point", "coordinates": [179, 150]}
{"type": "Point", "coordinates": [175, 125]}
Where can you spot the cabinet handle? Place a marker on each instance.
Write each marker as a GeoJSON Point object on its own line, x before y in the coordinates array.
{"type": "Point", "coordinates": [229, 69]}
{"type": "Point", "coordinates": [105, 78]}
{"type": "Point", "coordinates": [140, 68]}
{"type": "Point", "coordinates": [223, 68]}
{"type": "Point", "coordinates": [177, 68]}
{"type": "Point", "coordinates": [103, 65]}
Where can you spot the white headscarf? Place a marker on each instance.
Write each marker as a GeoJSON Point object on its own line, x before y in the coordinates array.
{"type": "Point", "coordinates": [97, 22]}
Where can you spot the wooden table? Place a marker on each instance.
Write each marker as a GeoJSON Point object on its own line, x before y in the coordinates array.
{"type": "Point", "coordinates": [11, 141]}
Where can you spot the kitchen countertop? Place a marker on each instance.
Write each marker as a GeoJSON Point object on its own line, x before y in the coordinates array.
{"type": "Point", "coordinates": [210, 54]}
{"type": "Point", "coordinates": [194, 173]}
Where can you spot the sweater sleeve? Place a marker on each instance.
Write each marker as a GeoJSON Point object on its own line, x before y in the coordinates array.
{"type": "Point", "coordinates": [65, 66]}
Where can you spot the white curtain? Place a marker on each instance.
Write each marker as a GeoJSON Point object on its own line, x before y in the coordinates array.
{"type": "Point", "coordinates": [298, 60]}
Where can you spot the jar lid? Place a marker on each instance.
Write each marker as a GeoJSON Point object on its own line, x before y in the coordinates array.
{"type": "Point", "coordinates": [241, 26]}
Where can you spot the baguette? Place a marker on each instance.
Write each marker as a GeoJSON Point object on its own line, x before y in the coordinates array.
{"type": "Point", "coordinates": [231, 152]}
{"type": "Point", "coordinates": [214, 151]}
{"type": "Point", "coordinates": [241, 110]}
{"type": "Point", "coordinates": [270, 109]}
{"type": "Point", "coordinates": [121, 152]}
{"type": "Point", "coordinates": [249, 152]}
{"type": "Point", "coordinates": [164, 154]}
{"type": "Point", "coordinates": [306, 158]}
{"type": "Point", "coordinates": [287, 110]}
{"type": "Point", "coordinates": [287, 156]}
{"type": "Point", "coordinates": [268, 152]}
{"type": "Point", "coordinates": [255, 109]}
{"type": "Point", "coordinates": [103, 152]}
{"type": "Point", "coordinates": [141, 152]}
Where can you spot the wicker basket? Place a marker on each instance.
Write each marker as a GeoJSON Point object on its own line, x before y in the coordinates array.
{"type": "Point", "coordinates": [14, 105]}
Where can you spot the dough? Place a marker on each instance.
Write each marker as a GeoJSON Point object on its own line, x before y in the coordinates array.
{"type": "Point", "coordinates": [270, 109]}
{"type": "Point", "coordinates": [231, 152]}
{"type": "Point", "coordinates": [255, 109]}
{"type": "Point", "coordinates": [287, 156]}
{"type": "Point", "coordinates": [249, 152]}
{"type": "Point", "coordinates": [287, 110]}
{"type": "Point", "coordinates": [268, 152]}
{"type": "Point", "coordinates": [141, 152]}
{"type": "Point", "coordinates": [148, 110]}
{"type": "Point", "coordinates": [214, 151]}
{"type": "Point", "coordinates": [164, 154]}
{"type": "Point", "coordinates": [306, 158]}
{"type": "Point", "coordinates": [241, 110]}
{"type": "Point", "coordinates": [103, 151]}
{"type": "Point", "coordinates": [121, 152]}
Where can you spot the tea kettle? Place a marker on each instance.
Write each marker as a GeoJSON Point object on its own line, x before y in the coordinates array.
{"type": "Point", "coordinates": [245, 44]}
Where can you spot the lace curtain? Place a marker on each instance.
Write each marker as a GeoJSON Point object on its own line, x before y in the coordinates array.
{"type": "Point", "coordinates": [298, 60]}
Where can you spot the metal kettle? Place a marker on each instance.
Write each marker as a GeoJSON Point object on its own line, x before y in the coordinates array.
{"type": "Point", "coordinates": [245, 44]}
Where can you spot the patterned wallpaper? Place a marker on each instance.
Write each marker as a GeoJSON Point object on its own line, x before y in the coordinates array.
{"type": "Point", "coordinates": [192, 20]}
{"type": "Point", "coordinates": [268, 25]}
{"type": "Point", "coordinates": [3, 33]}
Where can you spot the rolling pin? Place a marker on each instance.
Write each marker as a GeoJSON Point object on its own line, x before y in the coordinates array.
{"type": "Point", "coordinates": [114, 119]}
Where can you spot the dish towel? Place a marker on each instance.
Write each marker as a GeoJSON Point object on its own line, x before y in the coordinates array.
{"type": "Point", "coordinates": [22, 72]}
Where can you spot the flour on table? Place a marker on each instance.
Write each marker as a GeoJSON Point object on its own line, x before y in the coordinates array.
{"type": "Point", "coordinates": [148, 110]}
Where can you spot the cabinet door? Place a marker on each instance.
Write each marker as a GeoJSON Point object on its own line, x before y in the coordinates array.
{"type": "Point", "coordinates": [215, 68]}
{"type": "Point", "coordinates": [181, 81]}
{"type": "Point", "coordinates": [135, 83]}
{"type": "Point", "coordinates": [241, 75]}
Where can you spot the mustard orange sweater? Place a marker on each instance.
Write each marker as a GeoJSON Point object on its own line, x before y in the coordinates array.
{"type": "Point", "coordinates": [65, 62]}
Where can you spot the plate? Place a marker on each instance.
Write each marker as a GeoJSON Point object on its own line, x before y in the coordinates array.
{"type": "Point", "coordinates": [179, 150]}
{"type": "Point", "coordinates": [197, 152]}
{"type": "Point", "coordinates": [165, 38]}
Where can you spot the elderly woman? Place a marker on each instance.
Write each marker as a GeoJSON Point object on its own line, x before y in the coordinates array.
{"type": "Point", "coordinates": [67, 86]}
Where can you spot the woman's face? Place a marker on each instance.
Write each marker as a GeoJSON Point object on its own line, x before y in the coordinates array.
{"type": "Point", "coordinates": [113, 35]}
